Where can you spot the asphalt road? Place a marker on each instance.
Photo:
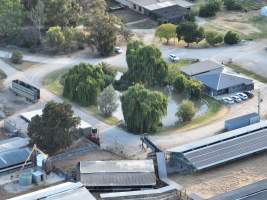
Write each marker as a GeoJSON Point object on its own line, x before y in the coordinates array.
{"type": "Point", "coordinates": [251, 55]}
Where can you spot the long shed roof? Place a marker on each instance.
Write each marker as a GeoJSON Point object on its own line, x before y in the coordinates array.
{"type": "Point", "coordinates": [64, 191]}
{"type": "Point", "coordinates": [13, 143]}
{"type": "Point", "coordinates": [255, 191]}
{"type": "Point", "coordinates": [13, 157]}
{"type": "Point", "coordinates": [230, 146]}
{"type": "Point", "coordinates": [117, 173]}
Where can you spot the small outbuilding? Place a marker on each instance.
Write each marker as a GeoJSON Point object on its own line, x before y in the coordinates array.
{"type": "Point", "coordinates": [241, 121]}
{"type": "Point", "coordinates": [264, 11]}
{"type": "Point", "coordinates": [122, 175]}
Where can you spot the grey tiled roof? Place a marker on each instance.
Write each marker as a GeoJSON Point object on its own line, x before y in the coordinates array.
{"type": "Point", "coordinates": [219, 81]}
{"type": "Point", "coordinates": [201, 67]}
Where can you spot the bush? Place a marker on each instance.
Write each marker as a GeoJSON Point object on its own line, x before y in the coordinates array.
{"type": "Point", "coordinates": [213, 38]}
{"type": "Point", "coordinates": [180, 83]}
{"type": "Point", "coordinates": [210, 9]}
{"type": "Point", "coordinates": [233, 4]}
{"type": "Point", "coordinates": [186, 111]}
{"type": "Point", "coordinates": [29, 38]}
{"type": "Point", "coordinates": [17, 57]}
{"type": "Point", "coordinates": [231, 38]}
{"type": "Point", "coordinates": [194, 89]}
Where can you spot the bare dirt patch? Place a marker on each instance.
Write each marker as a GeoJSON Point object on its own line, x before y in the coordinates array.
{"type": "Point", "coordinates": [234, 21]}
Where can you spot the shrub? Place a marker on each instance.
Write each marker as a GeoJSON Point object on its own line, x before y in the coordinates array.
{"type": "Point", "coordinates": [186, 111]}
{"type": "Point", "coordinates": [210, 8]}
{"type": "Point", "coordinates": [213, 38]}
{"type": "Point", "coordinates": [180, 83]}
{"type": "Point", "coordinates": [17, 57]}
{"type": "Point", "coordinates": [231, 38]}
{"type": "Point", "coordinates": [233, 4]}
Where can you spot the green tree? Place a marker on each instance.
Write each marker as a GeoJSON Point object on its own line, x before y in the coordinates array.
{"type": "Point", "coordinates": [62, 13]}
{"type": "Point", "coordinates": [186, 111]}
{"type": "Point", "coordinates": [53, 130]}
{"type": "Point", "coordinates": [103, 33]}
{"type": "Point", "coordinates": [55, 38]}
{"type": "Point", "coordinates": [108, 101]}
{"type": "Point", "coordinates": [194, 89]}
{"type": "Point", "coordinates": [83, 84]}
{"type": "Point", "coordinates": [17, 57]}
{"type": "Point", "coordinates": [190, 32]}
{"type": "Point", "coordinates": [231, 38]}
{"type": "Point", "coordinates": [145, 64]}
{"type": "Point", "coordinates": [12, 16]}
{"type": "Point", "coordinates": [180, 83]}
{"type": "Point", "coordinates": [210, 8]}
{"type": "Point", "coordinates": [213, 38]}
{"type": "Point", "coordinates": [166, 31]}
{"type": "Point", "coordinates": [37, 16]}
{"type": "Point", "coordinates": [233, 4]}
{"type": "Point", "coordinates": [143, 109]}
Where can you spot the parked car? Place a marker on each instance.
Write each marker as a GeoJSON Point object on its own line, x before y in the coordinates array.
{"type": "Point", "coordinates": [236, 99]}
{"type": "Point", "coordinates": [173, 58]}
{"type": "Point", "coordinates": [228, 100]}
{"type": "Point", "coordinates": [249, 94]}
{"type": "Point", "coordinates": [118, 50]}
{"type": "Point", "coordinates": [242, 96]}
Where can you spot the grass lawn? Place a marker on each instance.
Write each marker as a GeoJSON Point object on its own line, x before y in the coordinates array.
{"type": "Point", "coordinates": [21, 67]}
{"type": "Point", "coordinates": [52, 83]}
{"type": "Point", "coordinates": [238, 69]}
{"type": "Point", "coordinates": [216, 111]}
{"type": "Point", "coordinates": [260, 23]}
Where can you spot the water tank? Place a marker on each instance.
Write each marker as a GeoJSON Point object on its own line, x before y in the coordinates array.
{"type": "Point", "coordinates": [264, 11]}
{"type": "Point", "coordinates": [25, 178]}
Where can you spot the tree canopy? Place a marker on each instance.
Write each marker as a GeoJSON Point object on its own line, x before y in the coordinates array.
{"type": "Point", "coordinates": [166, 31]}
{"type": "Point", "coordinates": [143, 109]}
{"type": "Point", "coordinates": [186, 111]}
{"type": "Point", "coordinates": [53, 130]}
{"type": "Point", "coordinates": [145, 64]}
{"type": "Point", "coordinates": [12, 15]}
{"type": "Point", "coordinates": [108, 101]}
{"type": "Point", "coordinates": [190, 32]}
{"type": "Point", "coordinates": [84, 82]}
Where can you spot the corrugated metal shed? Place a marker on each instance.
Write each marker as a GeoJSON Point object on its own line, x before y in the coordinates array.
{"type": "Point", "coordinates": [13, 143]}
{"type": "Point", "coordinates": [117, 173]}
{"type": "Point", "coordinates": [214, 152]}
{"type": "Point", "coordinates": [13, 158]}
{"type": "Point", "coordinates": [217, 138]}
{"type": "Point", "coordinates": [241, 121]}
{"type": "Point", "coordinates": [65, 191]}
{"type": "Point", "coordinates": [255, 191]}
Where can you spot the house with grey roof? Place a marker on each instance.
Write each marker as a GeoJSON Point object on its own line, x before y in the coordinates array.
{"type": "Point", "coordinates": [216, 81]}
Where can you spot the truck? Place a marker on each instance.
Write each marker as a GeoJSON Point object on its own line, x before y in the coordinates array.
{"type": "Point", "coordinates": [26, 90]}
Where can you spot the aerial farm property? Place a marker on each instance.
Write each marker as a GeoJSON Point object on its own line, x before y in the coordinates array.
{"type": "Point", "coordinates": [133, 99]}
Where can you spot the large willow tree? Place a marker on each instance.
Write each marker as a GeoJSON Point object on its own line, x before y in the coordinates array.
{"type": "Point", "coordinates": [145, 64]}
{"type": "Point", "coordinates": [143, 109]}
{"type": "Point", "coordinates": [83, 84]}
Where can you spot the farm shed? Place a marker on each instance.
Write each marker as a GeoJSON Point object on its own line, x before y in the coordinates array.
{"type": "Point", "coordinates": [64, 191]}
{"type": "Point", "coordinates": [117, 175]}
{"type": "Point", "coordinates": [241, 121]}
{"type": "Point", "coordinates": [13, 143]}
{"type": "Point", "coordinates": [13, 159]}
{"type": "Point", "coordinates": [219, 149]}
{"type": "Point", "coordinates": [255, 191]}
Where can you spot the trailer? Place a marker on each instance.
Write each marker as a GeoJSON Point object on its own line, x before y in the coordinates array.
{"type": "Point", "coordinates": [26, 90]}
